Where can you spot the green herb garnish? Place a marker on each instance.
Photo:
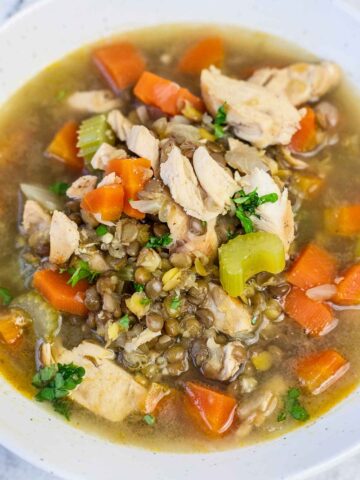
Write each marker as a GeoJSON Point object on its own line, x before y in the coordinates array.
{"type": "Point", "coordinates": [145, 301]}
{"type": "Point", "coordinates": [138, 287]}
{"type": "Point", "coordinates": [124, 322]}
{"type": "Point", "coordinates": [5, 296]}
{"type": "Point", "coordinates": [61, 95]}
{"type": "Point", "coordinates": [220, 121]}
{"type": "Point", "coordinates": [149, 419]}
{"type": "Point", "coordinates": [55, 383]}
{"type": "Point", "coordinates": [254, 320]}
{"type": "Point", "coordinates": [101, 230]}
{"type": "Point", "coordinates": [162, 241]}
{"type": "Point", "coordinates": [293, 407]}
{"type": "Point", "coordinates": [59, 188]}
{"type": "Point", "coordinates": [81, 271]}
{"type": "Point", "coordinates": [175, 302]}
{"type": "Point", "coordinates": [246, 205]}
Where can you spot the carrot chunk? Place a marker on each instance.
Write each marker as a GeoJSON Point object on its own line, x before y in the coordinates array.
{"type": "Point", "coordinates": [10, 332]}
{"type": "Point", "coordinates": [62, 296]}
{"type": "Point", "coordinates": [63, 146]}
{"type": "Point", "coordinates": [314, 266]}
{"type": "Point", "coordinates": [343, 220]}
{"type": "Point", "coordinates": [106, 201]}
{"type": "Point", "coordinates": [164, 94]}
{"type": "Point", "coordinates": [315, 317]}
{"type": "Point", "coordinates": [348, 290]}
{"type": "Point", "coordinates": [212, 410]}
{"type": "Point", "coordinates": [120, 63]}
{"type": "Point", "coordinates": [206, 52]}
{"type": "Point", "coordinates": [305, 138]}
{"type": "Point", "coordinates": [318, 371]}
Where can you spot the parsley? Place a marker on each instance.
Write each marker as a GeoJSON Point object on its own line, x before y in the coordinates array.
{"type": "Point", "coordinates": [5, 296]}
{"type": "Point", "coordinates": [220, 121]}
{"type": "Point", "coordinates": [145, 301]}
{"type": "Point", "coordinates": [55, 383]}
{"type": "Point", "coordinates": [175, 303]}
{"type": "Point", "coordinates": [138, 287]}
{"type": "Point", "coordinates": [101, 230]}
{"type": "Point", "coordinates": [149, 419]}
{"type": "Point", "coordinates": [246, 205]}
{"type": "Point", "coordinates": [293, 407]}
{"type": "Point", "coordinates": [81, 271]}
{"type": "Point", "coordinates": [59, 188]}
{"type": "Point", "coordinates": [162, 241]}
{"type": "Point", "coordinates": [61, 95]}
{"type": "Point", "coordinates": [254, 320]}
{"type": "Point", "coordinates": [124, 322]}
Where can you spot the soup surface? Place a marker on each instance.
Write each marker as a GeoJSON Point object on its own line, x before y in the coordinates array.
{"type": "Point", "coordinates": [196, 288]}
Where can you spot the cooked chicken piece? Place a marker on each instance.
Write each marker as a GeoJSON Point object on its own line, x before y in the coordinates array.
{"type": "Point", "coordinates": [244, 158]}
{"type": "Point", "coordinates": [203, 246]}
{"type": "Point", "coordinates": [223, 361]}
{"type": "Point", "coordinates": [255, 113]}
{"type": "Point", "coordinates": [106, 390]}
{"type": "Point", "coordinates": [327, 115]}
{"type": "Point", "coordinates": [109, 179]}
{"type": "Point", "coordinates": [144, 144]}
{"type": "Point", "coordinates": [274, 217]}
{"type": "Point", "coordinates": [183, 132]}
{"type": "Point", "coordinates": [300, 82]}
{"type": "Point", "coordinates": [231, 315]}
{"type": "Point", "coordinates": [145, 336]}
{"type": "Point", "coordinates": [93, 101]}
{"type": "Point", "coordinates": [81, 187]}
{"type": "Point", "coordinates": [64, 238]}
{"type": "Point", "coordinates": [36, 219]}
{"type": "Point", "coordinates": [120, 124]}
{"type": "Point", "coordinates": [104, 154]}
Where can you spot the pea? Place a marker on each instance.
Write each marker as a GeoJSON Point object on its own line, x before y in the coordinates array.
{"type": "Point", "coordinates": [153, 288]}
{"type": "Point", "coordinates": [172, 327]}
{"type": "Point", "coordinates": [133, 249]}
{"type": "Point", "coordinates": [181, 260]}
{"type": "Point", "coordinates": [192, 327]}
{"type": "Point", "coordinates": [163, 343]}
{"type": "Point", "coordinates": [175, 353]}
{"type": "Point", "coordinates": [154, 322]}
{"type": "Point", "coordinates": [160, 229]}
{"type": "Point", "coordinates": [142, 275]}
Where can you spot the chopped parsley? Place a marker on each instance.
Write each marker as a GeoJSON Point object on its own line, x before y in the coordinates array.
{"type": "Point", "coordinates": [145, 301]}
{"type": "Point", "coordinates": [124, 322]}
{"type": "Point", "coordinates": [175, 303]}
{"type": "Point", "coordinates": [138, 287]}
{"type": "Point", "coordinates": [162, 241]}
{"type": "Point", "coordinates": [59, 188]}
{"type": "Point", "coordinates": [220, 121]}
{"type": "Point", "coordinates": [5, 296]}
{"type": "Point", "coordinates": [55, 383]}
{"type": "Point", "coordinates": [101, 230]}
{"type": "Point", "coordinates": [293, 407]}
{"type": "Point", "coordinates": [254, 320]}
{"type": "Point", "coordinates": [246, 205]}
{"type": "Point", "coordinates": [80, 272]}
{"type": "Point", "coordinates": [61, 95]}
{"type": "Point", "coordinates": [149, 419]}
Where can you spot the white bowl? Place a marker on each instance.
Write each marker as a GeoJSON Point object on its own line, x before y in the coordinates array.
{"type": "Point", "coordinates": [46, 32]}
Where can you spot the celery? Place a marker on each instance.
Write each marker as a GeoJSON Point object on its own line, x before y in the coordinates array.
{"type": "Point", "coordinates": [92, 133]}
{"type": "Point", "coordinates": [245, 256]}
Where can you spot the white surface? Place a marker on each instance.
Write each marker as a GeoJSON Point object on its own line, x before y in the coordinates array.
{"type": "Point", "coordinates": [329, 434]}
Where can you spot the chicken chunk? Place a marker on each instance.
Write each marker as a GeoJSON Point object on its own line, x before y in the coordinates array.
{"type": "Point", "coordinates": [255, 113]}
{"type": "Point", "coordinates": [300, 82]}
{"type": "Point", "coordinates": [64, 238]}
{"type": "Point", "coordinates": [107, 390]}
{"type": "Point", "coordinates": [274, 217]}
{"type": "Point", "coordinates": [120, 124]}
{"type": "Point", "coordinates": [36, 218]}
{"type": "Point", "coordinates": [81, 187]}
{"type": "Point", "coordinates": [223, 361]}
{"type": "Point", "coordinates": [145, 336]}
{"type": "Point", "coordinates": [110, 179]}
{"type": "Point", "coordinates": [104, 154]}
{"type": "Point", "coordinates": [93, 101]}
{"type": "Point", "coordinates": [244, 158]}
{"type": "Point", "coordinates": [144, 144]}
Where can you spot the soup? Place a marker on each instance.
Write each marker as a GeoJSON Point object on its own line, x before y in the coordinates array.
{"type": "Point", "coordinates": [180, 221]}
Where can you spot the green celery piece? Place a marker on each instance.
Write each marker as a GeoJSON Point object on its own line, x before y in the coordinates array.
{"type": "Point", "coordinates": [92, 133]}
{"type": "Point", "coordinates": [245, 256]}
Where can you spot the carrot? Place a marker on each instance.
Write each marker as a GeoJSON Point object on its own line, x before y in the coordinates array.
{"type": "Point", "coordinates": [134, 173]}
{"type": "Point", "coordinates": [10, 332]}
{"type": "Point", "coordinates": [63, 146]}
{"type": "Point", "coordinates": [106, 201]}
{"type": "Point", "coordinates": [343, 220]}
{"type": "Point", "coordinates": [120, 63]}
{"type": "Point", "coordinates": [206, 52]}
{"type": "Point", "coordinates": [348, 290]}
{"type": "Point", "coordinates": [212, 410]}
{"type": "Point", "coordinates": [318, 371]}
{"type": "Point", "coordinates": [54, 287]}
{"type": "Point", "coordinates": [314, 266]}
{"type": "Point", "coordinates": [164, 94]}
{"type": "Point", "coordinates": [305, 138]}
{"type": "Point", "coordinates": [315, 317]}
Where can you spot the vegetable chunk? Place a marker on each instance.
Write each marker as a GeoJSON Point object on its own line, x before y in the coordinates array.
{"type": "Point", "coordinates": [63, 146]}
{"type": "Point", "coordinates": [348, 290]}
{"type": "Point", "coordinates": [206, 52]}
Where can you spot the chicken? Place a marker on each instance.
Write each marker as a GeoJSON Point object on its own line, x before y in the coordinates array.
{"type": "Point", "coordinates": [104, 154]}
{"type": "Point", "coordinates": [255, 113]}
{"type": "Point", "coordinates": [110, 179]}
{"type": "Point", "coordinates": [120, 124]}
{"type": "Point", "coordinates": [244, 158]}
{"type": "Point", "coordinates": [300, 82]}
{"type": "Point", "coordinates": [81, 187]}
{"type": "Point", "coordinates": [144, 144]}
{"type": "Point", "coordinates": [145, 336]}
{"type": "Point", "coordinates": [274, 217]}
{"type": "Point", "coordinates": [202, 246]}
{"type": "Point", "coordinates": [36, 219]}
{"type": "Point", "coordinates": [223, 362]}
{"type": "Point", "coordinates": [64, 238]}
{"type": "Point", "coordinates": [93, 101]}
{"type": "Point", "coordinates": [107, 390]}
{"type": "Point", "coordinates": [231, 316]}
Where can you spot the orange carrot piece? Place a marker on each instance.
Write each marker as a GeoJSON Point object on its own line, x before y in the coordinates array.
{"type": "Point", "coordinates": [206, 52]}
{"type": "Point", "coordinates": [314, 266]}
{"type": "Point", "coordinates": [63, 146]}
{"type": "Point", "coordinates": [318, 371]}
{"type": "Point", "coordinates": [343, 220]}
{"type": "Point", "coordinates": [315, 317]}
{"type": "Point", "coordinates": [120, 63]}
{"type": "Point", "coordinates": [212, 410]}
{"type": "Point", "coordinates": [106, 201]}
{"type": "Point", "coordinates": [348, 289]}
{"type": "Point", "coordinates": [305, 138]}
{"type": "Point", "coordinates": [164, 94]}
{"type": "Point", "coordinates": [10, 332]}
{"type": "Point", "coordinates": [54, 287]}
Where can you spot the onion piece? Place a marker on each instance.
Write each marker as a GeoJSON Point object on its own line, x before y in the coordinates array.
{"type": "Point", "coordinates": [321, 292]}
{"type": "Point", "coordinates": [41, 195]}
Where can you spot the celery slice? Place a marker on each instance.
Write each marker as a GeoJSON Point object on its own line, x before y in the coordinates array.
{"type": "Point", "coordinates": [245, 256]}
{"type": "Point", "coordinates": [92, 133]}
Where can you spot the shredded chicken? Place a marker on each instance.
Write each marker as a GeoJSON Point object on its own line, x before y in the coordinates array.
{"type": "Point", "coordinates": [64, 238]}
{"type": "Point", "coordinates": [141, 141]}
{"type": "Point", "coordinates": [109, 179]}
{"type": "Point", "coordinates": [93, 101]}
{"type": "Point", "coordinates": [255, 113]}
{"type": "Point", "coordinates": [244, 158]}
{"type": "Point", "coordinates": [81, 187]}
{"type": "Point", "coordinates": [104, 154]}
{"type": "Point", "coordinates": [145, 336]}
{"type": "Point", "coordinates": [120, 124]}
{"type": "Point", "coordinates": [300, 82]}
{"type": "Point", "coordinates": [36, 219]}
{"type": "Point", "coordinates": [223, 361]}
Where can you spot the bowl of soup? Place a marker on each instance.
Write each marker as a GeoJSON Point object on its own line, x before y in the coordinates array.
{"type": "Point", "coordinates": [180, 222]}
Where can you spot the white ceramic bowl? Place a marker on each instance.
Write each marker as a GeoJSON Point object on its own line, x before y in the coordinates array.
{"type": "Point", "coordinates": [46, 32]}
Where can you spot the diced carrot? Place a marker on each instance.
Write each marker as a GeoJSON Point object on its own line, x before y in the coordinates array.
{"type": "Point", "coordinates": [164, 94]}
{"type": "Point", "coordinates": [206, 52]}
{"type": "Point", "coordinates": [63, 146]}
{"type": "Point", "coordinates": [54, 287]}
{"type": "Point", "coordinates": [318, 371]}
{"type": "Point", "coordinates": [120, 63]}
{"type": "Point", "coordinates": [305, 138]}
{"type": "Point", "coordinates": [309, 185]}
{"type": "Point", "coordinates": [212, 410]}
{"type": "Point", "coordinates": [314, 266]}
{"type": "Point", "coordinates": [106, 201]}
{"type": "Point", "coordinates": [343, 220]}
{"type": "Point", "coordinates": [10, 332]}
{"type": "Point", "coordinates": [348, 289]}
{"type": "Point", "coordinates": [134, 172]}
{"type": "Point", "coordinates": [315, 317]}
